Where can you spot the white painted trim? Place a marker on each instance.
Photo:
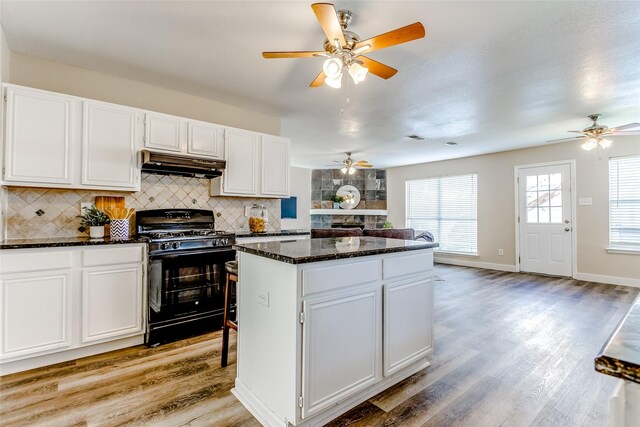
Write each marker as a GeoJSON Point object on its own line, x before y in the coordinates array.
{"type": "Point", "coordinates": [626, 251]}
{"type": "Point", "coordinates": [574, 224]}
{"type": "Point", "coordinates": [609, 280]}
{"type": "Point", "coordinates": [348, 212]}
{"type": "Point", "coordinates": [465, 254]}
{"type": "Point", "coordinates": [476, 264]}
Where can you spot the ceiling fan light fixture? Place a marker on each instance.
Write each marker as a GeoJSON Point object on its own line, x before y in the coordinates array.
{"type": "Point", "coordinates": [357, 72]}
{"type": "Point", "coordinates": [334, 82]}
{"type": "Point", "coordinates": [604, 143]}
{"type": "Point", "coordinates": [589, 144]}
{"type": "Point", "coordinates": [344, 170]}
{"type": "Point", "coordinates": [332, 67]}
{"type": "Point", "coordinates": [351, 170]}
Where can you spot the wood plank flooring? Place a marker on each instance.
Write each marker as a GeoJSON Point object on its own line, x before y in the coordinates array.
{"type": "Point", "coordinates": [510, 350]}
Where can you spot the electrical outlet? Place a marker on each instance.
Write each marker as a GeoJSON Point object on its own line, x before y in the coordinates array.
{"type": "Point", "coordinates": [500, 252]}
{"type": "Point", "coordinates": [85, 205]}
{"type": "Point", "coordinates": [263, 298]}
{"type": "Point", "coordinates": [585, 201]}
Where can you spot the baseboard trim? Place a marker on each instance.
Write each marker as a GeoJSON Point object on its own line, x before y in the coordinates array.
{"type": "Point", "coordinates": [609, 280]}
{"type": "Point", "coordinates": [476, 264]}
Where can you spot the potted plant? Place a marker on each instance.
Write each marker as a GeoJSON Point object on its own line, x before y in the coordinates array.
{"type": "Point", "coordinates": [336, 201]}
{"type": "Point", "coordinates": [95, 219]}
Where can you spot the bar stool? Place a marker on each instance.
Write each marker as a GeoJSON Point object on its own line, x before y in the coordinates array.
{"type": "Point", "coordinates": [231, 269]}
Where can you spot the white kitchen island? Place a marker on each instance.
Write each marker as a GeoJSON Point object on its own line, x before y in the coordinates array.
{"type": "Point", "coordinates": [325, 324]}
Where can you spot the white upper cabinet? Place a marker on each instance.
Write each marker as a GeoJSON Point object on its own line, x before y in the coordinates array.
{"type": "Point", "coordinates": [109, 137]}
{"type": "Point", "coordinates": [205, 139]}
{"type": "Point", "coordinates": [257, 166]}
{"type": "Point", "coordinates": [40, 137]}
{"type": "Point", "coordinates": [163, 132]}
{"type": "Point", "coordinates": [275, 166]}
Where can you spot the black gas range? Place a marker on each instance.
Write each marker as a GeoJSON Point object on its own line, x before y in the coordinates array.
{"type": "Point", "coordinates": [185, 272]}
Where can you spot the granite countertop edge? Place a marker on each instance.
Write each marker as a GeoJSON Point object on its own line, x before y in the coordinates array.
{"type": "Point", "coordinates": [274, 233]}
{"type": "Point", "coordinates": [65, 242]}
{"type": "Point", "coordinates": [610, 364]}
{"type": "Point", "coordinates": [333, 256]}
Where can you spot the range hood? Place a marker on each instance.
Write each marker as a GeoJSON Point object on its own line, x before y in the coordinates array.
{"type": "Point", "coordinates": [175, 164]}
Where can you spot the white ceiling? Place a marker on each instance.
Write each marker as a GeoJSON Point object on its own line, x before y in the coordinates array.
{"type": "Point", "coordinates": [491, 76]}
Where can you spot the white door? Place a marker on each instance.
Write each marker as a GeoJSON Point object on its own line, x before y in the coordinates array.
{"type": "Point", "coordinates": [205, 139]}
{"type": "Point", "coordinates": [40, 134]}
{"type": "Point", "coordinates": [241, 152]}
{"type": "Point", "coordinates": [163, 132]}
{"type": "Point", "coordinates": [109, 146]}
{"type": "Point", "coordinates": [111, 302]}
{"type": "Point", "coordinates": [341, 347]}
{"type": "Point", "coordinates": [275, 166]}
{"type": "Point", "coordinates": [545, 219]}
{"type": "Point", "coordinates": [36, 313]}
{"type": "Point", "coordinates": [408, 327]}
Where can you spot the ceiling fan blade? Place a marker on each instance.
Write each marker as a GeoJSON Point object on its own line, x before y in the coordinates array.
{"type": "Point", "coordinates": [292, 54]}
{"type": "Point", "coordinates": [319, 80]}
{"type": "Point", "coordinates": [326, 14]}
{"type": "Point", "coordinates": [377, 68]}
{"type": "Point", "coordinates": [627, 126]}
{"type": "Point", "coordinates": [363, 162]}
{"type": "Point", "coordinates": [571, 138]}
{"type": "Point", "coordinates": [392, 38]}
{"type": "Point", "coordinates": [365, 166]}
{"type": "Point", "coordinates": [576, 131]}
{"type": "Point", "coordinates": [627, 133]}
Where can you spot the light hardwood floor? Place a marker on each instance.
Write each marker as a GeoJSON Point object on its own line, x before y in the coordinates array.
{"type": "Point", "coordinates": [511, 349]}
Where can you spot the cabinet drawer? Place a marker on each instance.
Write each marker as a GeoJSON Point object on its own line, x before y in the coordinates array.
{"type": "Point", "coordinates": [334, 277]}
{"type": "Point", "coordinates": [17, 261]}
{"type": "Point", "coordinates": [406, 265]}
{"type": "Point", "coordinates": [109, 256]}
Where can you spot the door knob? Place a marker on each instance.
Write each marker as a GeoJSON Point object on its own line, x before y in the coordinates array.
{"type": "Point", "coordinates": [566, 221]}
{"type": "Point", "coordinates": [567, 229]}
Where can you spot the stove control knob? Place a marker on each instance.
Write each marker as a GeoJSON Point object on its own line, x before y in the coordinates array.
{"type": "Point", "coordinates": [175, 245]}
{"type": "Point", "coordinates": [163, 246]}
{"type": "Point", "coordinates": [224, 242]}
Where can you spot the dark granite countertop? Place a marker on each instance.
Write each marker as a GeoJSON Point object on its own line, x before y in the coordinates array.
{"type": "Point", "coordinates": [314, 250]}
{"type": "Point", "coordinates": [274, 233]}
{"type": "Point", "coordinates": [620, 356]}
{"type": "Point", "coordinates": [68, 241]}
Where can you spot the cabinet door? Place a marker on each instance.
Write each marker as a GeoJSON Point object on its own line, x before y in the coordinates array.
{"type": "Point", "coordinates": [408, 323]}
{"type": "Point", "coordinates": [205, 139]}
{"type": "Point", "coordinates": [39, 136]}
{"type": "Point", "coordinates": [111, 302]}
{"type": "Point", "coordinates": [241, 151]}
{"type": "Point", "coordinates": [109, 146]}
{"type": "Point", "coordinates": [163, 132]}
{"type": "Point", "coordinates": [341, 347]}
{"type": "Point", "coordinates": [275, 166]}
{"type": "Point", "coordinates": [36, 310]}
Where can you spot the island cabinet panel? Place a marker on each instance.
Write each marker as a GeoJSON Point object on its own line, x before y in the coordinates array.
{"type": "Point", "coordinates": [397, 267]}
{"type": "Point", "coordinates": [337, 276]}
{"type": "Point", "coordinates": [408, 327]}
{"type": "Point", "coordinates": [36, 313]}
{"type": "Point", "coordinates": [40, 133]}
{"type": "Point", "coordinates": [341, 347]}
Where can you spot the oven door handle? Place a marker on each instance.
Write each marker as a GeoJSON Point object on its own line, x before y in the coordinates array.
{"type": "Point", "coordinates": [171, 255]}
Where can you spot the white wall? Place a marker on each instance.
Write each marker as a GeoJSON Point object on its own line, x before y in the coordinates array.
{"type": "Point", "coordinates": [496, 205]}
{"type": "Point", "coordinates": [300, 188]}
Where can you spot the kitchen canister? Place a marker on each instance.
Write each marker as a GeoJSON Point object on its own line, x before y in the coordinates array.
{"type": "Point", "coordinates": [119, 228]}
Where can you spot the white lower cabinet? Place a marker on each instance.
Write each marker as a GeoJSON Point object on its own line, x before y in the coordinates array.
{"type": "Point", "coordinates": [36, 312]}
{"type": "Point", "coordinates": [111, 302]}
{"type": "Point", "coordinates": [408, 327]}
{"type": "Point", "coordinates": [86, 301]}
{"type": "Point", "coordinates": [341, 347]}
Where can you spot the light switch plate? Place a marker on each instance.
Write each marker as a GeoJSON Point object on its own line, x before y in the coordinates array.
{"type": "Point", "coordinates": [585, 201]}
{"type": "Point", "coordinates": [263, 297]}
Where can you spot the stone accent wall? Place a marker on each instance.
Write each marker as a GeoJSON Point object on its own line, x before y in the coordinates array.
{"type": "Point", "coordinates": [33, 213]}
{"type": "Point", "coordinates": [372, 185]}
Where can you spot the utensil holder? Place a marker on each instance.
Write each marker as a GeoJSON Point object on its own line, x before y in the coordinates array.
{"type": "Point", "coordinates": [120, 229]}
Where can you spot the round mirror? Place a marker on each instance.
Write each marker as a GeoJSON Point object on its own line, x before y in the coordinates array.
{"type": "Point", "coordinates": [351, 196]}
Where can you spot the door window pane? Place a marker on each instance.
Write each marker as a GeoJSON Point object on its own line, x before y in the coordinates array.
{"type": "Point", "coordinates": [556, 215]}
{"type": "Point", "coordinates": [544, 205]}
{"type": "Point", "coordinates": [555, 181]}
{"type": "Point", "coordinates": [543, 182]}
{"type": "Point", "coordinates": [532, 183]}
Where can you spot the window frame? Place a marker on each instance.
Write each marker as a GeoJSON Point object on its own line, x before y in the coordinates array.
{"type": "Point", "coordinates": [618, 247]}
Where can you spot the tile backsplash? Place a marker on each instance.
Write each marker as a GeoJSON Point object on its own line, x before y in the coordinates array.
{"type": "Point", "coordinates": [32, 213]}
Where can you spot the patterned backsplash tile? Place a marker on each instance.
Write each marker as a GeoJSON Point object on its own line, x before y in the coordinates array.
{"type": "Point", "coordinates": [33, 213]}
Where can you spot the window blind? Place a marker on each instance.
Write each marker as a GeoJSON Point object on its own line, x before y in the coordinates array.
{"type": "Point", "coordinates": [624, 202]}
{"type": "Point", "coordinates": [447, 207]}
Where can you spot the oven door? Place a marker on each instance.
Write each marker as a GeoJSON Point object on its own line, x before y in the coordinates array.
{"type": "Point", "coordinates": [187, 284]}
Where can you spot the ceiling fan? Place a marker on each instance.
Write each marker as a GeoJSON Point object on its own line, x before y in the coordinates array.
{"type": "Point", "coordinates": [594, 135]}
{"type": "Point", "coordinates": [349, 165]}
{"type": "Point", "coordinates": [344, 49]}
